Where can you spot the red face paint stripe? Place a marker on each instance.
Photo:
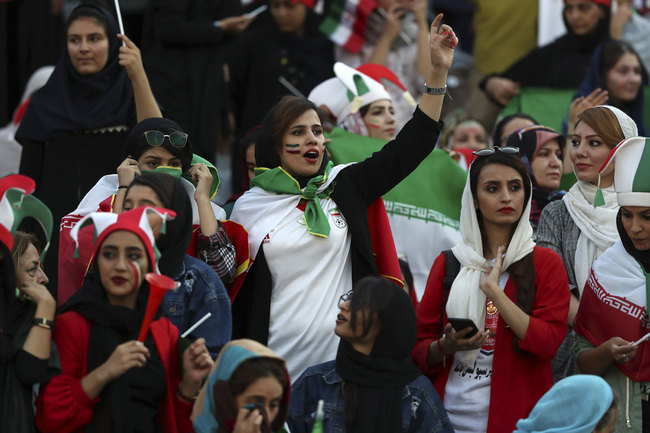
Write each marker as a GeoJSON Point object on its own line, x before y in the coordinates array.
{"type": "Point", "coordinates": [293, 152]}
{"type": "Point", "coordinates": [372, 125]}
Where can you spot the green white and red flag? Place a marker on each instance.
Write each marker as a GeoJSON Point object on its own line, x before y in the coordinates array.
{"type": "Point", "coordinates": [345, 23]}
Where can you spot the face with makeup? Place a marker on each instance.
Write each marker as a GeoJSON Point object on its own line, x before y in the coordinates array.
{"type": "Point", "coordinates": [582, 15]}
{"type": "Point", "coordinates": [121, 263]}
{"type": "Point", "coordinates": [469, 134]}
{"type": "Point", "coordinates": [355, 336]}
{"type": "Point", "coordinates": [499, 195]}
{"type": "Point", "coordinates": [588, 153]}
{"type": "Point", "coordinates": [302, 145]}
{"type": "Point", "coordinates": [380, 120]}
{"type": "Point", "coordinates": [624, 79]}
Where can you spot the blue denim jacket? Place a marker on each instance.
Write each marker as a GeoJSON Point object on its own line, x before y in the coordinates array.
{"type": "Point", "coordinates": [201, 291]}
{"type": "Point", "coordinates": [422, 410]}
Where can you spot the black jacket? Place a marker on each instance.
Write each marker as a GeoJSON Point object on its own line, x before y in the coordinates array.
{"type": "Point", "coordinates": [357, 186]}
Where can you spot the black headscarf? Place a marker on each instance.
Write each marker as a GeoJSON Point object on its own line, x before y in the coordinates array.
{"type": "Point", "coordinates": [111, 326]}
{"type": "Point", "coordinates": [73, 102]}
{"type": "Point", "coordinates": [589, 41]}
{"type": "Point", "coordinates": [178, 233]}
{"type": "Point", "coordinates": [643, 257]}
{"type": "Point", "coordinates": [136, 143]}
{"type": "Point", "coordinates": [374, 383]}
{"type": "Point", "coordinates": [266, 151]}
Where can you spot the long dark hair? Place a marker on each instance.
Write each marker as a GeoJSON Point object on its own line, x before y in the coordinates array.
{"type": "Point", "coordinates": [611, 53]}
{"type": "Point", "coordinates": [522, 271]}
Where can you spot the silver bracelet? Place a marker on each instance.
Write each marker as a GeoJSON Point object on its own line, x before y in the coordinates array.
{"type": "Point", "coordinates": [435, 90]}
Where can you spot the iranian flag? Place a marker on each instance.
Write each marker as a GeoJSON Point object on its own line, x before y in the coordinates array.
{"type": "Point", "coordinates": [423, 210]}
{"type": "Point", "coordinates": [345, 23]}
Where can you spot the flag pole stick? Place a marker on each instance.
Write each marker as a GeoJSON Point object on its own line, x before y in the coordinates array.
{"type": "Point", "coordinates": [118, 12]}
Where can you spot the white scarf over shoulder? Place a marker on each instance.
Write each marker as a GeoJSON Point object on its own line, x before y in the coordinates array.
{"type": "Point", "coordinates": [466, 299]}
{"type": "Point", "coordinates": [597, 226]}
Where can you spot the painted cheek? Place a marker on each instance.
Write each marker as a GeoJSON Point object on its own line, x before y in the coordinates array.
{"type": "Point", "coordinates": [292, 149]}
{"type": "Point", "coordinates": [135, 267]}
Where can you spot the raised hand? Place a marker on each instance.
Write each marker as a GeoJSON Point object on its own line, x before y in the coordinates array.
{"type": "Point", "coordinates": [202, 179]}
{"type": "Point", "coordinates": [597, 97]}
{"type": "Point", "coordinates": [127, 171]}
{"type": "Point", "coordinates": [131, 58]}
{"type": "Point", "coordinates": [393, 21]}
{"type": "Point", "coordinates": [443, 40]}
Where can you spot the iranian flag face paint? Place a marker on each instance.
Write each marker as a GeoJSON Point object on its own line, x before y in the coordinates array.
{"type": "Point", "coordinates": [293, 148]}
{"type": "Point", "coordinates": [304, 145]}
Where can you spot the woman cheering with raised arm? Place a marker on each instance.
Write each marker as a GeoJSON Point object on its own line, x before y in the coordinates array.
{"type": "Point", "coordinates": [307, 220]}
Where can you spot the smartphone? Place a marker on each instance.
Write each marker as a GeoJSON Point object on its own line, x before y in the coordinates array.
{"type": "Point", "coordinates": [257, 11]}
{"type": "Point", "coordinates": [459, 324]}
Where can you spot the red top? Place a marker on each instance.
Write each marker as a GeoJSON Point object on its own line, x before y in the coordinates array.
{"type": "Point", "coordinates": [518, 379]}
{"type": "Point", "coordinates": [62, 405]}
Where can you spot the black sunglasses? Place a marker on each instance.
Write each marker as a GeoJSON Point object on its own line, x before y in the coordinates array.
{"type": "Point", "coordinates": [492, 150]}
{"type": "Point", "coordinates": [156, 138]}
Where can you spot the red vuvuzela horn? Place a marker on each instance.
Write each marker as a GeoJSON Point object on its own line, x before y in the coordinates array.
{"type": "Point", "coordinates": [159, 285]}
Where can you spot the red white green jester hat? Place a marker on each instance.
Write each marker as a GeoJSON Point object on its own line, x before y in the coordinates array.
{"type": "Point", "coordinates": [135, 221]}
{"type": "Point", "coordinates": [16, 204]}
{"type": "Point", "coordinates": [631, 160]}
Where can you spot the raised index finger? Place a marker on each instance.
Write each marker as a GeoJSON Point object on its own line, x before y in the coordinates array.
{"type": "Point", "coordinates": [436, 22]}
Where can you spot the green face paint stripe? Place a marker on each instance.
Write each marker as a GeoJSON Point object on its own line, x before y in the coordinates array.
{"type": "Point", "coordinates": [641, 182]}
{"type": "Point", "coordinates": [362, 87]}
{"type": "Point", "coordinates": [292, 146]}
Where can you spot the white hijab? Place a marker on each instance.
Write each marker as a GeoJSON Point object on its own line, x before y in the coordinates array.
{"type": "Point", "coordinates": [466, 299]}
{"type": "Point", "coordinates": [597, 225]}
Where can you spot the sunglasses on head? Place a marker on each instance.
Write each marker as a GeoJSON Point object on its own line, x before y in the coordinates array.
{"type": "Point", "coordinates": [492, 150]}
{"type": "Point", "coordinates": [156, 138]}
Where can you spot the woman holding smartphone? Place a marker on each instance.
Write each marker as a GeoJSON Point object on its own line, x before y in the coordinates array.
{"type": "Point", "coordinates": [515, 293]}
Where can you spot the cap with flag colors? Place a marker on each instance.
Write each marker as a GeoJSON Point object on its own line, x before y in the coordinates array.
{"type": "Point", "coordinates": [135, 221]}
{"type": "Point", "coordinates": [381, 72]}
{"type": "Point", "coordinates": [16, 204]}
{"type": "Point", "coordinates": [361, 89]}
{"type": "Point", "coordinates": [345, 23]}
{"type": "Point", "coordinates": [631, 159]}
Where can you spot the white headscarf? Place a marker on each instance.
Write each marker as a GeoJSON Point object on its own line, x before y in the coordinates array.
{"type": "Point", "coordinates": [597, 225]}
{"type": "Point", "coordinates": [466, 299]}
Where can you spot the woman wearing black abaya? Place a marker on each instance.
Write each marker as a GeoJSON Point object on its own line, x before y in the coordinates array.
{"type": "Point", "coordinates": [564, 62]}
{"type": "Point", "coordinates": [373, 375]}
{"type": "Point", "coordinates": [183, 42]}
{"type": "Point", "coordinates": [74, 127]}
